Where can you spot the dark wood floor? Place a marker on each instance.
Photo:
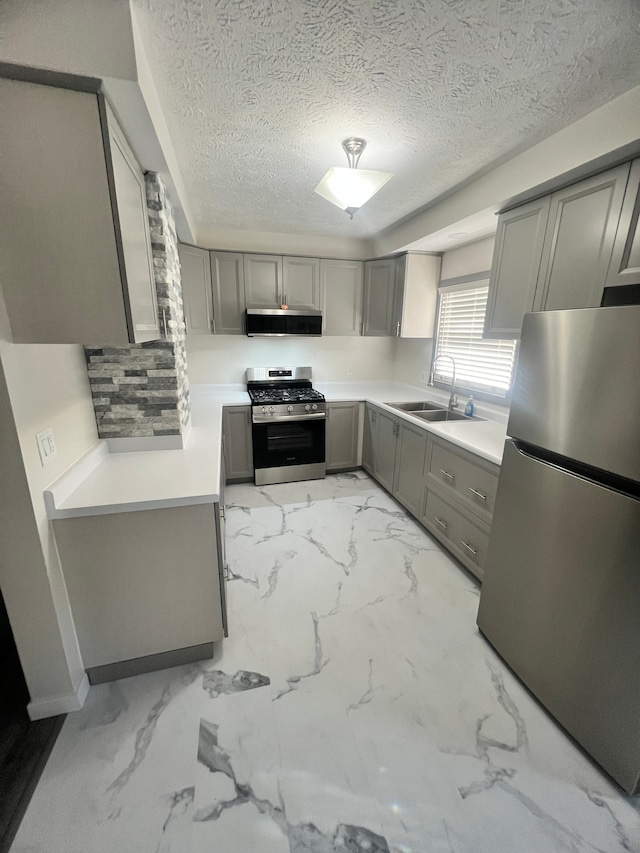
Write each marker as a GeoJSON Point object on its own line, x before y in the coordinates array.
{"type": "Point", "coordinates": [24, 746]}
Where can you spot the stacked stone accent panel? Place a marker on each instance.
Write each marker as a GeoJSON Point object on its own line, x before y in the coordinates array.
{"type": "Point", "coordinates": [142, 390]}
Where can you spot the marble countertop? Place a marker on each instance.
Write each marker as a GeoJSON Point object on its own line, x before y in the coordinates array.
{"type": "Point", "coordinates": [103, 483]}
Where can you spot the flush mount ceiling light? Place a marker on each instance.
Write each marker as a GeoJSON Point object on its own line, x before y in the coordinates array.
{"type": "Point", "coordinates": [350, 188]}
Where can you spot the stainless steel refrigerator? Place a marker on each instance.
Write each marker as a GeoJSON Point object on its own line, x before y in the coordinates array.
{"type": "Point", "coordinates": [560, 599]}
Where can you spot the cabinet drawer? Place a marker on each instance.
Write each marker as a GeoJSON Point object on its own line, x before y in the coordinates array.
{"type": "Point", "coordinates": [474, 485]}
{"type": "Point", "coordinates": [465, 538]}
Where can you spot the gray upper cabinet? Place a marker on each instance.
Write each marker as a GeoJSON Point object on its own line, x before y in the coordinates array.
{"type": "Point", "coordinates": [272, 280]}
{"type": "Point", "coordinates": [301, 283]}
{"type": "Point", "coordinates": [583, 220]}
{"type": "Point", "coordinates": [408, 485]}
{"type": "Point", "coordinates": [135, 240]}
{"type": "Point", "coordinates": [343, 421]}
{"type": "Point", "coordinates": [195, 272]}
{"type": "Point", "coordinates": [227, 283]}
{"type": "Point", "coordinates": [554, 253]}
{"type": "Point", "coordinates": [379, 291]}
{"type": "Point", "coordinates": [341, 291]}
{"type": "Point", "coordinates": [238, 447]}
{"type": "Point", "coordinates": [263, 281]}
{"type": "Point", "coordinates": [515, 268]}
{"type": "Point", "coordinates": [625, 260]}
{"type": "Point", "coordinates": [72, 188]}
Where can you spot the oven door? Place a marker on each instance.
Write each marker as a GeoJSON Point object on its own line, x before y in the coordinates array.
{"type": "Point", "coordinates": [297, 445]}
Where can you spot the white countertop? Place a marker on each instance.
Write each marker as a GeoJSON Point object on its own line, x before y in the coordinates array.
{"type": "Point", "coordinates": [103, 483]}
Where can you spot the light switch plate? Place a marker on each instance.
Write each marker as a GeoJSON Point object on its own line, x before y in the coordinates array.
{"type": "Point", "coordinates": [425, 377]}
{"type": "Point", "coordinates": [46, 445]}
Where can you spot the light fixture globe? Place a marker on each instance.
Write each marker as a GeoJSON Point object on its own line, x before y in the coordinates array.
{"type": "Point", "coordinates": [350, 188]}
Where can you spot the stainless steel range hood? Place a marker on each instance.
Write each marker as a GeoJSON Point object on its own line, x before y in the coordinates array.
{"type": "Point", "coordinates": [282, 322]}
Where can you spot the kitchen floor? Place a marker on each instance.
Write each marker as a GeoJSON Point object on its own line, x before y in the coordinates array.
{"type": "Point", "coordinates": [355, 707]}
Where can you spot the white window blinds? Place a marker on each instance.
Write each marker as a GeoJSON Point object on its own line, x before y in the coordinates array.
{"type": "Point", "coordinates": [483, 365]}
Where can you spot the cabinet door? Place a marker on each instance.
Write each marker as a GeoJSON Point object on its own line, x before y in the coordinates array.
{"type": "Point", "coordinates": [238, 442]}
{"type": "Point", "coordinates": [385, 450]}
{"type": "Point", "coordinates": [301, 283]}
{"type": "Point", "coordinates": [408, 485]}
{"type": "Point", "coordinates": [195, 274]}
{"type": "Point", "coordinates": [583, 220]}
{"type": "Point", "coordinates": [342, 436]}
{"type": "Point", "coordinates": [135, 240]}
{"type": "Point", "coordinates": [59, 266]}
{"type": "Point", "coordinates": [515, 268]}
{"type": "Point", "coordinates": [398, 295]}
{"type": "Point", "coordinates": [263, 281]}
{"type": "Point", "coordinates": [341, 290]}
{"type": "Point", "coordinates": [625, 261]}
{"type": "Point", "coordinates": [227, 282]}
{"type": "Point", "coordinates": [378, 297]}
{"type": "Point", "coordinates": [369, 439]}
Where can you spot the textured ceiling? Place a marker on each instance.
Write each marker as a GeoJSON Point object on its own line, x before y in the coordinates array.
{"type": "Point", "coordinates": [258, 95]}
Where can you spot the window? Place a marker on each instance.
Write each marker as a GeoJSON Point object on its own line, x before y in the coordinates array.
{"type": "Point", "coordinates": [481, 364]}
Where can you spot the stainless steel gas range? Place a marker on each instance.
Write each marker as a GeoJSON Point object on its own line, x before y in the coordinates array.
{"type": "Point", "coordinates": [289, 423]}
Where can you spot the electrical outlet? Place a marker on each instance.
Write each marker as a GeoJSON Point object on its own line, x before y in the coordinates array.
{"type": "Point", "coordinates": [349, 370]}
{"type": "Point", "coordinates": [46, 446]}
{"type": "Point", "coordinates": [425, 377]}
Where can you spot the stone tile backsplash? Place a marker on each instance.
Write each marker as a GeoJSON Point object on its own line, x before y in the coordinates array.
{"type": "Point", "coordinates": [142, 390]}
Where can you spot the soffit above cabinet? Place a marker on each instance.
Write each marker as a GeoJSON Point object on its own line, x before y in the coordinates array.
{"type": "Point", "coordinates": [257, 98]}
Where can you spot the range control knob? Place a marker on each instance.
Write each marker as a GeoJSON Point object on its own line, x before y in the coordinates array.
{"type": "Point", "coordinates": [289, 408]}
{"type": "Point", "coordinates": [307, 408]}
{"type": "Point", "coordinates": [264, 408]}
{"type": "Point", "coordinates": [272, 409]}
{"type": "Point", "coordinates": [314, 407]}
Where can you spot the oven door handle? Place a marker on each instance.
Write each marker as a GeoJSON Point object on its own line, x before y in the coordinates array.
{"type": "Point", "coordinates": [274, 419]}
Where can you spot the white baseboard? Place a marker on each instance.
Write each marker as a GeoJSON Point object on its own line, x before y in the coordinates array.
{"type": "Point", "coordinates": [59, 704]}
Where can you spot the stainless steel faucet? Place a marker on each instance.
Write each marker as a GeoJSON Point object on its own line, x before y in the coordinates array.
{"type": "Point", "coordinates": [453, 400]}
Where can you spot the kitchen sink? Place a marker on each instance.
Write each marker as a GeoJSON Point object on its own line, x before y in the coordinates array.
{"type": "Point", "coordinates": [443, 415]}
{"type": "Point", "coordinates": [420, 406]}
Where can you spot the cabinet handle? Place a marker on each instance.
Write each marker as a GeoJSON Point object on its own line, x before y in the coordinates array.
{"type": "Point", "coordinates": [213, 326]}
{"type": "Point", "coordinates": [469, 548]}
{"type": "Point", "coordinates": [478, 494]}
{"type": "Point", "coordinates": [374, 416]}
{"type": "Point", "coordinates": [398, 329]}
{"type": "Point", "coordinates": [442, 523]}
{"type": "Point", "coordinates": [164, 322]}
{"type": "Point", "coordinates": [447, 474]}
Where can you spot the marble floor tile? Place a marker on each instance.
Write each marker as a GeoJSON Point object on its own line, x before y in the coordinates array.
{"type": "Point", "coordinates": [354, 707]}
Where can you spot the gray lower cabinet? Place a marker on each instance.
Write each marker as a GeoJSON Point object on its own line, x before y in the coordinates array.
{"type": "Point", "coordinates": [343, 423]}
{"type": "Point", "coordinates": [459, 496]}
{"type": "Point", "coordinates": [449, 490]}
{"type": "Point", "coordinates": [385, 450]}
{"type": "Point", "coordinates": [625, 260]}
{"type": "Point", "coordinates": [75, 251]}
{"type": "Point", "coordinates": [408, 484]}
{"type": "Point", "coordinates": [237, 440]}
{"type": "Point", "coordinates": [227, 285]}
{"type": "Point", "coordinates": [341, 293]}
{"type": "Point", "coordinates": [515, 268]}
{"type": "Point", "coordinates": [379, 297]}
{"type": "Point", "coordinates": [393, 453]}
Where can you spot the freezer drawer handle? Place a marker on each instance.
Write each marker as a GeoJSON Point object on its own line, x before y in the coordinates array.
{"type": "Point", "coordinates": [469, 548]}
{"type": "Point", "coordinates": [478, 494]}
{"type": "Point", "coordinates": [439, 521]}
{"type": "Point", "coordinates": [447, 474]}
